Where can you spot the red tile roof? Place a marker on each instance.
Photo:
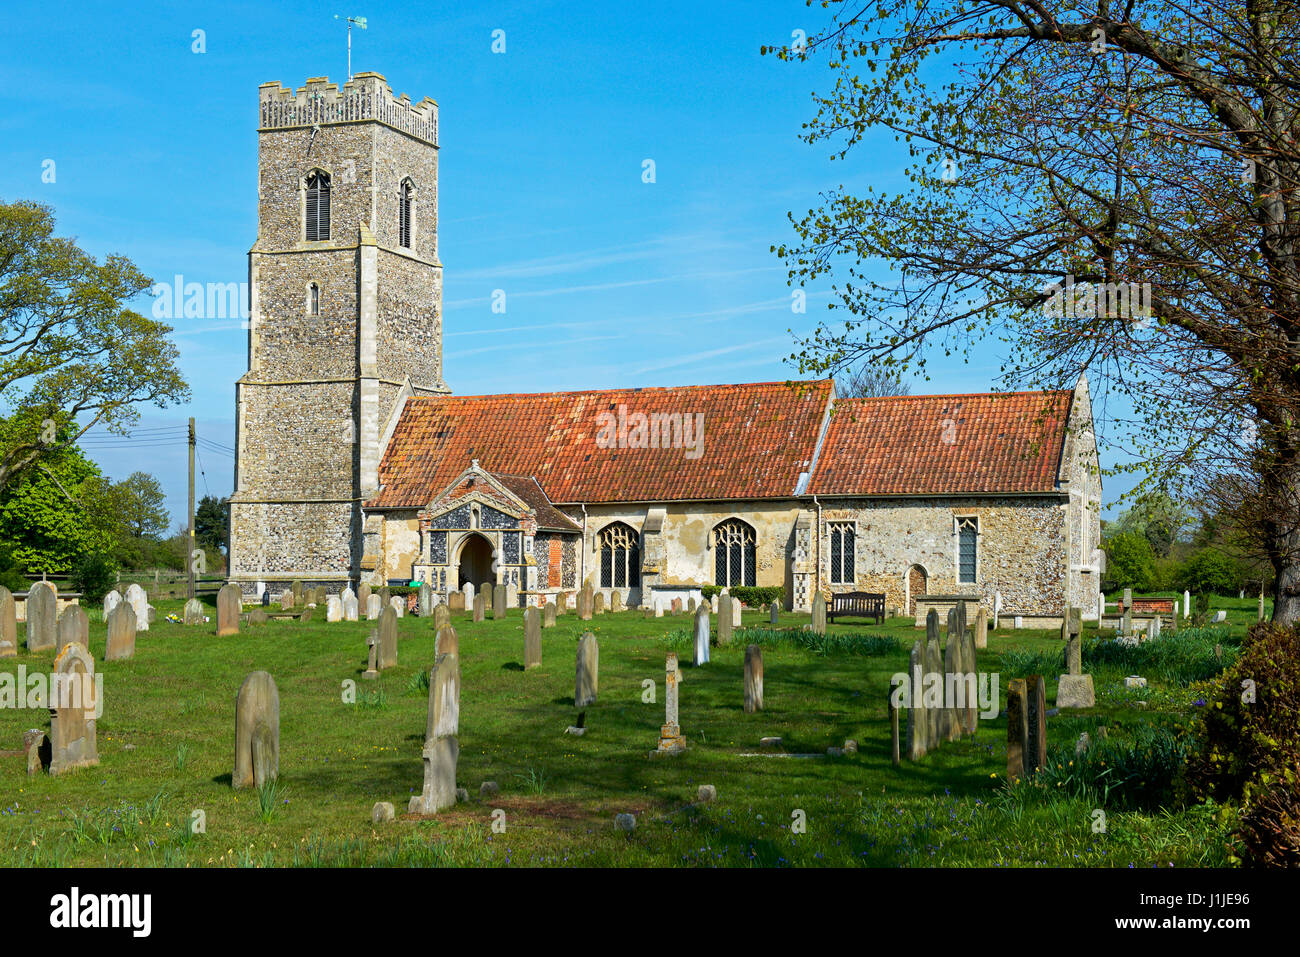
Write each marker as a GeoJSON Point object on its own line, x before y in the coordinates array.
{"type": "Point", "coordinates": [939, 444]}
{"type": "Point", "coordinates": [757, 438]}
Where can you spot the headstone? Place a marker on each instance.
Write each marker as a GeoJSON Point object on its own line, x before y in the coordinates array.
{"type": "Point", "coordinates": [321, 595]}
{"type": "Point", "coordinates": [383, 812]}
{"type": "Point", "coordinates": [193, 613]}
{"type": "Point", "coordinates": [425, 605]}
{"type": "Point", "coordinates": [532, 638]}
{"type": "Point", "coordinates": [981, 630]}
{"type": "Point", "coordinates": [499, 602]}
{"type": "Point", "coordinates": [670, 735]}
{"type": "Point", "coordinates": [372, 656]}
{"type": "Point", "coordinates": [307, 614]}
{"type": "Point", "coordinates": [468, 591]}
{"type": "Point", "coordinates": [701, 635]}
{"type": "Point", "coordinates": [480, 608]}
{"type": "Point", "coordinates": [384, 595]}
{"type": "Point", "coordinates": [74, 627]}
{"type": "Point", "coordinates": [918, 736]}
{"type": "Point", "coordinates": [387, 638]}
{"type": "Point", "coordinates": [140, 605]}
{"type": "Point", "coordinates": [706, 794]}
{"type": "Point", "coordinates": [893, 730]}
{"type": "Point", "coordinates": [690, 605]}
{"type": "Point", "coordinates": [1261, 604]}
{"type": "Point", "coordinates": [347, 593]}
{"type": "Point", "coordinates": [953, 720]}
{"type": "Point", "coordinates": [374, 607]}
{"type": "Point", "coordinates": [753, 679]}
{"type": "Point", "coordinates": [257, 617]}
{"type": "Point", "coordinates": [971, 668]}
{"type": "Point", "coordinates": [73, 743]}
{"type": "Point", "coordinates": [587, 677]}
{"type": "Point", "coordinates": [774, 611]}
{"type": "Point", "coordinates": [1036, 719]}
{"type": "Point", "coordinates": [676, 606]}
{"type": "Point", "coordinates": [350, 608]}
{"type": "Point", "coordinates": [363, 595]}
{"type": "Point", "coordinates": [1187, 603]}
{"type": "Point", "coordinates": [333, 608]}
{"type": "Point", "coordinates": [562, 603]}
{"type": "Point", "coordinates": [8, 624]}
{"type": "Point", "coordinates": [585, 602]}
{"type": "Point", "coordinates": [441, 737]}
{"type": "Point", "coordinates": [121, 633]}
{"type": "Point", "coordinates": [713, 604]}
{"type": "Point", "coordinates": [819, 613]}
{"type": "Point", "coordinates": [1128, 611]}
{"type": "Point", "coordinates": [548, 615]}
{"type": "Point", "coordinates": [1017, 729]}
{"type": "Point", "coordinates": [111, 601]}
{"type": "Point", "coordinates": [934, 726]}
{"type": "Point", "coordinates": [1219, 617]}
{"type": "Point", "coordinates": [447, 642]}
{"type": "Point", "coordinates": [616, 600]}
{"type": "Point", "coordinates": [725, 611]}
{"type": "Point", "coordinates": [257, 732]}
{"type": "Point", "coordinates": [229, 604]}
{"type": "Point", "coordinates": [456, 600]}
{"type": "Point", "coordinates": [736, 607]}
{"type": "Point", "coordinates": [441, 615]}
{"type": "Point", "coordinates": [42, 617]}
{"type": "Point", "coordinates": [297, 590]}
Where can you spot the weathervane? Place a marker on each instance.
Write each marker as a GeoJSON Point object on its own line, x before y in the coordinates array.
{"type": "Point", "coordinates": [360, 24]}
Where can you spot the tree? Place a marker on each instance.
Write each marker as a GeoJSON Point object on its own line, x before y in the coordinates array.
{"type": "Point", "coordinates": [72, 356]}
{"type": "Point", "coordinates": [1109, 188]}
{"type": "Point", "coordinates": [212, 522]}
{"type": "Point", "coordinates": [869, 381]}
{"type": "Point", "coordinates": [1209, 571]}
{"type": "Point", "coordinates": [139, 500]}
{"type": "Point", "coordinates": [1130, 562]}
{"type": "Point", "coordinates": [1157, 518]}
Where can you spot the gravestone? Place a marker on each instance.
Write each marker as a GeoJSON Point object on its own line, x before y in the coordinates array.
{"type": "Point", "coordinates": [111, 601]}
{"type": "Point", "coordinates": [121, 633]}
{"type": "Point", "coordinates": [819, 613]}
{"type": "Point", "coordinates": [499, 602]}
{"type": "Point", "coordinates": [387, 638]}
{"type": "Point", "coordinates": [139, 601]}
{"type": "Point", "coordinates": [1017, 729]}
{"type": "Point", "coordinates": [363, 595]}
{"type": "Point", "coordinates": [321, 595]}
{"type": "Point", "coordinates": [286, 600]}
{"type": "Point", "coordinates": [441, 737]}
{"type": "Point", "coordinates": [1187, 604]}
{"type": "Point", "coordinates": [398, 604]}
{"type": "Point", "coordinates": [257, 617]}
{"type": "Point", "coordinates": [753, 679]}
{"type": "Point", "coordinates": [456, 600]}
{"type": "Point", "coordinates": [917, 735]}
{"type": "Point", "coordinates": [374, 607]}
{"type": "Point", "coordinates": [447, 642]}
{"type": "Point", "coordinates": [480, 608]}
{"type": "Point", "coordinates": [297, 590]}
{"type": "Point", "coordinates": [725, 610]}
{"type": "Point", "coordinates": [257, 732]}
{"type": "Point", "coordinates": [306, 615]}
{"type": "Point", "coordinates": [953, 718]}
{"type": "Point", "coordinates": [512, 593]}
{"type": "Point", "coordinates": [8, 624]}
{"type": "Point", "coordinates": [385, 596]}
{"type": "Point", "coordinates": [774, 611]}
{"type": "Point", "coordinates": [701, 635]}
{"type": "Point", "coordinates": [532, 638]}
{"type": "Point", "coordinates": [599, 602]}
{"type": "Point", "coordinates": [548, 615]}
{"type": "Point", "coordinates": [934, 726]}
{"type": "Point", "coordinates": [690, 604]}
{"type": "Point", "coordinates": [1036, 719]}
{"type": "Point", "coordinates": [42, 617]}
{"type": "Point", "coordinates": [73, 742]}
{"type": "Point", "coordinates": [346, 594]}
{"type": "Point", "coordinates": [616, 601]}
{"type": "Point", "coordinates": [981, 630]}
{"type": "Point", "coordinates": [587, 676]}
{"type": "Point", "coordinates": [585, 601]}
{"type": "Point", "coordinates": [229, 602]}
{"type": "Point", "coordinates": [736, 621]}
{"type": "Point", "coordinates": [893, 730]}
{"type": "Point", "coordinates": [74, 627]}
{"type": "Point", "coordinates": [333, 608]}
{"type": "Point", "coordinates": [372, 656]}
{"type": "Point", "coordinates": [425, 604]}
{"type": "Point", "coordinates": [1074, 689]}
{"type": "Point", "coordinates": [676, 606]}
{"type": "Point", "coordinates": [971, 666]}
{"type": "Point", "coordinates": [713, 605]}
{"type": "Point", "coordinates": [670, 735]}
{"type": "Point", "coordinates": [468, 591]}
{"type": "Point", "coordinates": [350, 608]}
{"type": "Point", "coordinates": [441, 615]}
{"type": "Point", "coordinates": [1128, 611]}
{"type": "Point", "coordinates": [562, 603]}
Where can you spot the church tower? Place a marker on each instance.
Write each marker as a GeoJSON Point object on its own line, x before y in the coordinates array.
{"type": "Point", "coordinates": [345, 321]}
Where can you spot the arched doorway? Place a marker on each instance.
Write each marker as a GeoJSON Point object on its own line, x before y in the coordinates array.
{"type": "Point", "coordinates": [916, 582]}
{"type": "Point", "coordinates": [475, 563]}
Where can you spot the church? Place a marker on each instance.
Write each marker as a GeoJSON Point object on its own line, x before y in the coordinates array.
{"type": "Point", "coordinates": [355, 461]}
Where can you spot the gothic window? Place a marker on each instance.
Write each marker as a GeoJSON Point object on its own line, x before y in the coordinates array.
{"type": "Point", "coordinates": [405, 207]}
{"type": "Point", "coordinates": [967, 545]}
{"type": "Point", "coordinates": [620, 557]}
{"type": "Point", "coordinates": [733, 547]}
{"type": "Point", "coordinates": [313, 300]}
{"type": "Point", "coordinates": [842, 553]}
{"type": "Point", "coordinates": [318, 206]}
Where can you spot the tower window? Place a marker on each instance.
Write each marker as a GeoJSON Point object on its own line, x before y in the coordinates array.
{"type": "Point", "coordinates": [405, 203]}
{"type": "Point", "coordinates": [318, 206]}
{"type": "Point", "coordinates": [620, 557]}
{"type": "Point", "coordinates": [313, 300]}
{"type": "Point", "coordinates": [733, 545]}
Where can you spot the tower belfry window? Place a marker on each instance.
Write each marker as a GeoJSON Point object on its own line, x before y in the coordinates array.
{"type": "Point", "coordinates": [318, 206]}
{"type": "Point", "coordinates": [405, 202]}
{"type": "Point", "coordinates": [313, 300]}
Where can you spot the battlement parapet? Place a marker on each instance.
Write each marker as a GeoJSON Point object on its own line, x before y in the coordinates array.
{"type": "Point", "coordinates": [366, 98]}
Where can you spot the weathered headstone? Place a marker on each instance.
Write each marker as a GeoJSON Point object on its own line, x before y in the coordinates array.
{"type": "Point", "coordinates": [374, 607]}
{"type": "Point", "coordinates": [306, 614]}
{"type": "Point", "coordinates": [616, 600]}
{"type": "Point", "coordinates": [456, 600]}
{"type": "Point", "coordinates": [670, 735]}
{"type": "Point", "coordinates": [74, 627]}
{"type": "Point", "coordinates": [350, 608]}
{"type": "Point", "coordinates": [333, 608]}
{"type": "Point", "coordinates": [441, 615]}
{"type": "Point", "coordinates": [363, 595]}
{"type": "Point", "coordinates": [934, 726]}
{"type": "Point", "coordinates": [774, 611]}
{"type": "Point", "coordinates": [425, 603]}
{"type": "Point", "coordinates": [753, 679]}
{"type": "Point", "coordinates": [193, 612]}
{"type": "Point", "coordinates": [447, 642]}
{"type": "Point", "coordinates": [951, 724]}
{"type": "Point", "coordinates": [971, 668]}
{"type": "Point", "coordinates": [387, 638]}
{"type": "Point", "coordinates": [73, 743]}
{"type": "Point", "coordinates": [736, 620]}
{"type": "Point", "coordinates": [1017, 729]}
{"type": "Point", "coordinates": [587, 677]}
{"type": "Point", "coordinates": [121, 633]}
{"type": "Point", "coordinates": [8, 624]}
{"type": "Point", "coordinates": [111, 601]}
{"type": "Point", "coordinates": [701, 635]}
{"type": "Point", "coordinates": [499, 601]}
{"type": "Point", "coordinates": [532, 638]}
{"type": "Point", "coordinates": [548, 615]}
{"type": "Point", "coordinates": [385, 595]}
{"type": "Point", "coordinates": [1128, 611]}
{"type": "Point", "coordinates": [480, 608]}
{"type": "Point", "coordinates": [229, 604]}
{"type": "Point", "coordinates": [297, 589]}
{"type": "Point", "coordinates": [562, 603]}
{"type": "Point", "coordinates": [441, 738]}
{"type": "Point", "coordinates": [1036, 719]}
{"type": "Point", "coordinates": [585, 602]}
{"type": "Point", "coordinates": [347, 593]}
{"type": "Point", "coordinates": [257, 732]}
{"type": "Point", "coordinates": [468, 591]}
{"type": "Point", "coordinates": [1187, 603]}
{"type": "Point", "coordinates": [398, 604]}
{"type": "Point", "coordinates": [690, 604]}
{"type": "Point", "coordinates": [599, 602]}
{"type": "Point", "coordinates": [819, 613]}
{"type": "Point", "coordinates": [321, 595]}
{"type": "Point", "coordinates": [42, 617]}
{"type": "Point", "coordinates": [917, 735]}
{"type": "Point", "coordinates": [981, 630]}
{"type": "Point", "coordinates": [725, 623]}
{"type": "Point", "coordinates": [139, 601]}
{"type": "Point", "coordinates": [893, 730]}
{"type": "Point", "coordinates": [372, 656]}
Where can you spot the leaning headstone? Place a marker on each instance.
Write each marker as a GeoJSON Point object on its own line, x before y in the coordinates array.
{"type": "Point", "coordinates": [1017, 729]}
{"type": "Point", "coordinates": [480, 608]}
{"type": "Point", "coordinates": [587, 676]}
{"type": "Point", "coordinates": [670, 734]}
{"type": "Point", "coordinates": [8, 624]}
{"type": "Point", "coordinates": [1036, 718]}
{"type": "Point", "coordinates": [111, 601]}
{"type": "Point", "coordinates": [819, 613]}
{"type": "Point", "coordinates": [229, 602]}
{"type": "Point", "coordinates": [701, 635]}
{"type": "Point", "coordinates": [981, 630]}
{"type": "Point", "coordinates": [753, 679]}
{"type": "Point", "coordinates": [140, 604]}
{"type": "Point", "coordinates": [73, 743]}
{"type": "Point", "coordinates": [725, 611]}
{"type": "Point", "coordinates": [441, 738]}
{"type": "Point", "coordinates": [387, 638]}
{"type": "Point", "coordinates": [447, 642]}
{"type": "Point", "coordinates": [306, 615]}
{"type": "Point", "coordinates": [616, 601]}
{"type": "Point", "coordinates": [350, 608]}
{"type": "Point", "coordinates": [42, 617]}
{"type": "Point", "coordinates": [425, 604]}
{"type": "Point", "coordinates": [121, 633]}
{"type": "Point", "coordinates": [774, 611]}
{"type": "Point", "coordinates": [532, 638]}
{"type": "Point", "coordinates": [333, 608]}
{"type": "Point", "coordinates": [548, 615]}
{"type": "Point", "coordinates": [257, 732]}
{"type": "Point", "coordinates": [374, 607]}
{"type": "Point", "coordinates": [499, 601]}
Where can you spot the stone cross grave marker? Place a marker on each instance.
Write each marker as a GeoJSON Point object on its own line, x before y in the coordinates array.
{"type": "Point", "coordinates": [670, 735]}
{"type": "Point", "coordinates": [441, 738]}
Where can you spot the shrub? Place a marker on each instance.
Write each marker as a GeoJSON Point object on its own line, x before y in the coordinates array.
{"type": "Point", "coordinates": [748, 594]}
{"type": "Point", "coordinates": [1210, 571]}
{"type": "Point", "coordinates": [92, 575]}
{"type": "Point", "coordinates": [12, 574]}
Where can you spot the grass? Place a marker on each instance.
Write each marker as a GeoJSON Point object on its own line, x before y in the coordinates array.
{"type": "Point", "coordinates": [166, 751]}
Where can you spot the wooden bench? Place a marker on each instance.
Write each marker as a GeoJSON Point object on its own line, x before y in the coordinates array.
{"type": "Point", "coordinates": [857, 604]}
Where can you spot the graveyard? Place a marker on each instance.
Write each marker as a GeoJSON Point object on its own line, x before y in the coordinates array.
{"type": "Point", "coordinates": [791, 765]}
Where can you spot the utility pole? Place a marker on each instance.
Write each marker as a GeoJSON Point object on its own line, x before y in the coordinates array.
{"type": "Point", "coordinates": [189, 557]}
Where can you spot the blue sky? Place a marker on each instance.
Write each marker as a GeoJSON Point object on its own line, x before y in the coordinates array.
{"type": "Point", "coordinates": [610, 281]}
